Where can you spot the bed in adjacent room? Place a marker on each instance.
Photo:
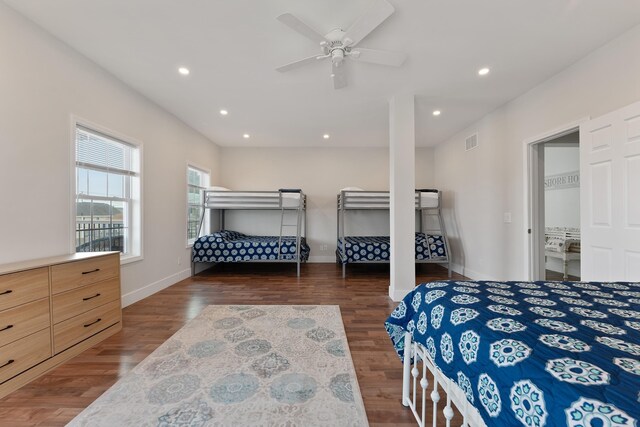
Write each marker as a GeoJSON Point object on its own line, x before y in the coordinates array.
{"type": "Point", "coordinates": [562, 243]}
{"type": "Point", "coordinates": [522, 353]}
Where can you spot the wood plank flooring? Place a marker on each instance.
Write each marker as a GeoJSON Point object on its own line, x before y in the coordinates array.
{"type": "Point", "coordinates": [555, 275]}
{"type": "Point", "coordinates": [54, 399]}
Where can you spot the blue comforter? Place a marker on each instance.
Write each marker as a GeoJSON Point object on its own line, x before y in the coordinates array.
{"type": "Point", "coordinates": [533, 354]}
{"type": "Point", "coordinates": [232, 246]}
{"type": "Point", "coordinates": [377, 248]}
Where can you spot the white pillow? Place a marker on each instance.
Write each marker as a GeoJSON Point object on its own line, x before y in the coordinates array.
{"type": "Point", "coordinates": [351, 189]}
{"type": "Point", "coordinates": [219, 189]}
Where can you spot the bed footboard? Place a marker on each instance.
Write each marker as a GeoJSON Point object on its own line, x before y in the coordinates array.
{"type": "Point", "coordinates": [418, 368]}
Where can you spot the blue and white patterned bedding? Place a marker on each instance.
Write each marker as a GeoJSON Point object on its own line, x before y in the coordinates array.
{"type": "Point", "coordinates": [376, 248]}
{"type": "Point", "coordinates": [232, 246]}
{"type": "Point", "coordinates": [533, 354]}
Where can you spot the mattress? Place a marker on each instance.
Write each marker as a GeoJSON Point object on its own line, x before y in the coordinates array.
{"type": "Point", "coordinates": [377, 248]}
{"type": "Point", "coordinates": [360, 199]}
{"type": "Point", "coordinates": [232, 246]}
{"type": "Point", "coordinates": [428, 199]}
{"type": "Point", "coordinates": [532, 353]}
{"type": "Point", "coordinates": [252, 199]}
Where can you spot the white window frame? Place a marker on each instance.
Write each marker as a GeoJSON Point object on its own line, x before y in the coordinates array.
{"type": "Point", "coordinates": [136, 206]}
{"type": "Point", "coordinates": [206, 225]}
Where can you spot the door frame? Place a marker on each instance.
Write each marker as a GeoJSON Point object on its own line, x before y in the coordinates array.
{"type": "Point", "coordinates": [532, 192]}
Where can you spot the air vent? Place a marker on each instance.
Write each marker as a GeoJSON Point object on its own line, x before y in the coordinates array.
{"type": "Point", "coordinates": [471, 142]}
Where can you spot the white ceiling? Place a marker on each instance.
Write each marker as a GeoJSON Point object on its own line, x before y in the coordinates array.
{"type": "Point", "coordinates": [233, 46]}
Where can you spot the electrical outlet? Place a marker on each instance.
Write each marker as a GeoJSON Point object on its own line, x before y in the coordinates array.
{"type": "Point", "coordinates": [507, 217]}
{"type": "Point", "coordinates": [179, 260]}
{"type": "Point", "coordinates": [324, 248]}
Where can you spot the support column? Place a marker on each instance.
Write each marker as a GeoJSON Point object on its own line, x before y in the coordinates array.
{"type": "Point", "coordinates": [402, 186]}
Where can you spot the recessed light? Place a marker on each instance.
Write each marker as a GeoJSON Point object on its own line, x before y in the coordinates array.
{"type": "Point", "coordinates": [437, 112]}
{"type": "Point", "coordinates": [483, 71]}
{"type": "Point", "coordinates": [246, 136]}
{"type": "Point", "coordinates": [223, 112]}
{"type": "Point", "coordinates": [184, 71]}
{"type": "Point", "coordinates": [326, 136]}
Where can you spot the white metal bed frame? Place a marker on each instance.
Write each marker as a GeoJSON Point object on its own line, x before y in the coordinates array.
{"type": "Point", "coordinates": [282, 200]}
{"type": "Point", "coordinates": [415, 397]}
{"type": "Point", "coordinates": [380, 200]}
{"type": "Point", "coordinates": [565, 256]}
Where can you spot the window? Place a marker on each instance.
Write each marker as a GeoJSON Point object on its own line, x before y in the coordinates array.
{"type": "Point", "coordinates": [197, 182]}
{"type": "Point", "coordinates": [107, 194]}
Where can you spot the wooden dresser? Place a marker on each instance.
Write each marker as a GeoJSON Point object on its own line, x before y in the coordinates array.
{"type": "Point", "coordinates": [54, 309]}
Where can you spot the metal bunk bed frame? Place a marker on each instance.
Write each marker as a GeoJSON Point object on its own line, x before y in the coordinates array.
{"type": "Point", "coordinates": [379, 200]}
{"type": "Point", "coordinates": [260, 200]}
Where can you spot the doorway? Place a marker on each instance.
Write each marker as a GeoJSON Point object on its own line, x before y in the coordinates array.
{"type": "Point", "coordinates": [554, 207]}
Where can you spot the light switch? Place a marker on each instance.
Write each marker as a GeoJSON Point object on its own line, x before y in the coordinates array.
{"type": "Point", "coordinates": [507, 217]}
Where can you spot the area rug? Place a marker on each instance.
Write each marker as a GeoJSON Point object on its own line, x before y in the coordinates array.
{"type": "Point", "coordinates": [261, 365]}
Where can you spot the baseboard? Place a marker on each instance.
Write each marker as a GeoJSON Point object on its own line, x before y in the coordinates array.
{"type": "Point", "coordinates": [397, 295]}
{"type": "Point", "coordinates": [455, 268]}
{"type": "Point", "coordinates": [475, 275]}
{"type": "Point", "coordinates": [322, 259]}
{"type": "Point", "coordinates": [139, 294]}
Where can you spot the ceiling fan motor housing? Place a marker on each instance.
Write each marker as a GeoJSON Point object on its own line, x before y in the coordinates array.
{"type": "Point", "coordinates": [337, 55]}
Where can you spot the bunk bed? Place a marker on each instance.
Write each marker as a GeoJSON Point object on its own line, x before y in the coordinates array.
{"type": "Point", "coordinates": [232, 246]}
{"type": "Point", "coordinates": [521, 353]}
{"type": "Point", "coordinates": [431, 246]}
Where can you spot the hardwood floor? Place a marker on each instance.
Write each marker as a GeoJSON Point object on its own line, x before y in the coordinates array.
{"type": "Point", "coordinates": [57, 397]}
{"type": "Point", "coordinates": [554, 275]}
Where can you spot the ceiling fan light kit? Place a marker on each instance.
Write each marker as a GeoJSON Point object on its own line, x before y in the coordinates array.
{"type": "Point", "coordinates": [340, 45]}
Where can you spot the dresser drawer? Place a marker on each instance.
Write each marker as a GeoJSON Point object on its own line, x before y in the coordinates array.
{"type": "Point", "coordinates": [24, 353]}
{"type": "Point", "coordinates": [76, 329]}
{"type": "Point", "coordinates": [23, 320]}
{"type": "Point", "coordinates": [71, 275]}
{"type": "Point", "coordinates": [25, 286]}
{"type": "Point", "coordinates": [72, 303]}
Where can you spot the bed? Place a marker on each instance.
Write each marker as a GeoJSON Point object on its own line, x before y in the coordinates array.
{"type": "Point", "coordinates": [233, 246]}
{"type": "Point", "coordinates": [522, 353]}
{"type": "Point", "coordinates": [562, 243]}
{"type": "Point", "coordinates": [431, 245]}
{"type": "Point", "coordinates": [376, 248]}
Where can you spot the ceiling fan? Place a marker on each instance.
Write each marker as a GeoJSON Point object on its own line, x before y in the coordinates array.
{"type": "Point", "coordinates": [339, 44]}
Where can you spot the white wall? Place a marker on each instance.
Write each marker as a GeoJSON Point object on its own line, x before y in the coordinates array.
{"type": "Point", "coordinates": [561, 205]}
{"type": "Point", "coordinates": [320, 173]}
{"type": "Point", "coordinates": [486, 182]}
{"type": "Point", "coordinates": [42, 83]}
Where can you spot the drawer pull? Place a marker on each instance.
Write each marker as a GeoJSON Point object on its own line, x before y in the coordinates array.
{"type": "Point", "coordinates": [92, 271]}
{"type": "Point", "coordinates": [6, 292]}
{"type": "Point", "coordinates": [88, 298]}
{"type": "Point", "coordinates": [92, 323]}
{"type": "Point", "coordinates": [8, 363]}
{"type": "Point", "coordinates": [6, 327]}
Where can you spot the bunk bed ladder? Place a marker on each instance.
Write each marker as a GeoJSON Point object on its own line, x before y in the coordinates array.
{"type": "Point", "coordinates": [437, 212]}
{"type": "Point", "coordinates": [297, 225]}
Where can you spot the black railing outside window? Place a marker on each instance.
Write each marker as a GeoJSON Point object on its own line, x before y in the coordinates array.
{"type": "Point", "coordinates": [100, 237]}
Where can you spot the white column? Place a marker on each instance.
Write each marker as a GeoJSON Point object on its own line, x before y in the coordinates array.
{"type": "Point", "coordinates": [402, 186]}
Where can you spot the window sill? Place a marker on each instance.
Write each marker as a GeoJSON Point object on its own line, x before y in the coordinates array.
{"type": "Point", "coordinates": [130, 259]}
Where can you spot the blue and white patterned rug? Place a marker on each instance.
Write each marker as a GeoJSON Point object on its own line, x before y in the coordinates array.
{"type": "Point", "coordinates": [263, 365]}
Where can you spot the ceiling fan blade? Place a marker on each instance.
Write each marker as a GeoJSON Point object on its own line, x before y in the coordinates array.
{"type": "Point", "coordinates": [375, 56]}
{"type": "Point", "coordinates": [297, 25]}
{"type": "Point", "coordinates": [368, 22]}
{"type": "Point", "coordinates": [338, 75]}
{"type": "Point", "coordinates": [298, 63]}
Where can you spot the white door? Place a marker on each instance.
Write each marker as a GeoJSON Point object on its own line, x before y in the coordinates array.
{"type": "Point", "coordinates": [610, 196]}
